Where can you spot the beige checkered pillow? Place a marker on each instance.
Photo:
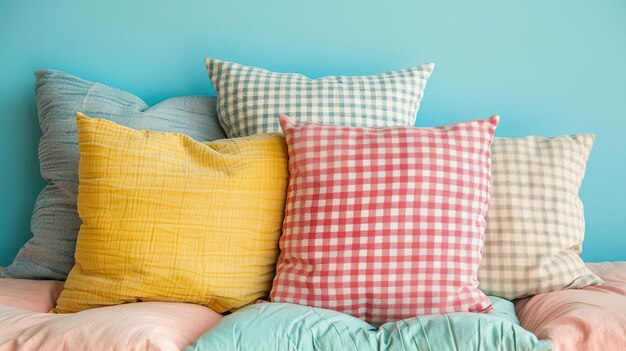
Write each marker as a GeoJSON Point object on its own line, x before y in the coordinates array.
{"type": "Point", "coordinates": [535, 222]}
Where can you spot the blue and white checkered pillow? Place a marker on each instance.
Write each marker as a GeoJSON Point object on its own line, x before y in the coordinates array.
{"type": "Point", "coordinates": [250, 99]}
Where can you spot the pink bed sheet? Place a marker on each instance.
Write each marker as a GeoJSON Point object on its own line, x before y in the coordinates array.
{"type": "Point", "coordinates": [593, 318]}
{"type": "Point", "coordinates": [137, 326]}
{"type": "Point", "coordinates": [32, 295]}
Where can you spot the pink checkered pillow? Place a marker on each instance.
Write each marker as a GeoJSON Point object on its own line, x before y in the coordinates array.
{"type": "Point", "coordinates": [385, 224]}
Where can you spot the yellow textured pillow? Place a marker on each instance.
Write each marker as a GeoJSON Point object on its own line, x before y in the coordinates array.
{"type": "Point", "coordinates": [167, 218]}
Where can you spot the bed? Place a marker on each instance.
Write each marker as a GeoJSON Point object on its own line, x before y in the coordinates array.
{"type": "Point", "coordinates": [167, 292]}
{"type": "Point", "coordinates": [592, 318]}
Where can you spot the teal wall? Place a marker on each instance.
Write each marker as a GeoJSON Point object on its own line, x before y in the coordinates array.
{"type": "Point", "coordinates": [547, 67]}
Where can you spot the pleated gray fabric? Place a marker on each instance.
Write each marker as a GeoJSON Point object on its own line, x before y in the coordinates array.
{"type": "Point", "coordinates": [49, 254]}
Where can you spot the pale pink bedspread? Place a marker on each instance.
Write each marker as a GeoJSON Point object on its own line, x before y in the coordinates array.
{"type": "Point", "coordinates": [32, 295]}
{"type": "Point", "coordinates": [589, 319]}
{"type": "Point", "coordinates": [137, 326]}
{"type": "Point", "coordinates": [593, 318]}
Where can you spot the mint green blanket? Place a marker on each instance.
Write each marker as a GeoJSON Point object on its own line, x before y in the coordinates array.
{"type": "Point", "coordinates": [280, 326]}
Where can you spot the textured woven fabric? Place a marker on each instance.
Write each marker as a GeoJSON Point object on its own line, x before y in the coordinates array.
{"type": "Point", "coordinates": [250, 99]}
{"type": "Point", "coordinates": [167, 218]}
{"type": "Point", "coordinates": [535, 223]}
{"type": "Point", "coordinates": [385, 224]}
{"type": "Point", "coordinates": [49, 254]}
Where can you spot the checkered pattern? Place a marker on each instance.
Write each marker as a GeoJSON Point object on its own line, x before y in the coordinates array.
{"type": "Point", "coordinates": [385, 224]}
{"type": "Point", "coordinates": [535, 223]}
{"type": "Point", "coordinates": [250, 99]}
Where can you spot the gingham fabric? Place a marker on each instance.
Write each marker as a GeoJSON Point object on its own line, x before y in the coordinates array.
{"type": "Point", "coordinates": [535, 223]}
{"type": "Point", "coordinates": [250, 99]}
{"type": "Point", "coordinates": [385, 224]}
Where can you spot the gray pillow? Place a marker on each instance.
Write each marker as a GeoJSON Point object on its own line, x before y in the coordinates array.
{"type": "Point", "coordinates": [49, 254]}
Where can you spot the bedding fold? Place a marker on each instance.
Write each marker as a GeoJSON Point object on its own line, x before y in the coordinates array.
{"type": "Point", "coordinates": [590, 319]}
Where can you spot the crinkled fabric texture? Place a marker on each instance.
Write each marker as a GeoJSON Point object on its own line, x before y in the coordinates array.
{"type": "Point", "coordinates": [535, 222]}
{"type": "Point", "coordinates": [250, 99]}
{"type": "Point", "coordinates": [31, 295]}
{"type": "Point", "coordinates": [49, 254]}
{"type": "Point", "coordinates": [24, 325]}
{"type": "Point", "coordinates": [385, 223]}
{"type": "Point", "coordinates": [590, 319]}
{"type": "Point", "coordinates": [286, 327]}
{"type": "Point", "coordinates": [168, 218]}
{"type": "Point", "coordinates": [136, 326]}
